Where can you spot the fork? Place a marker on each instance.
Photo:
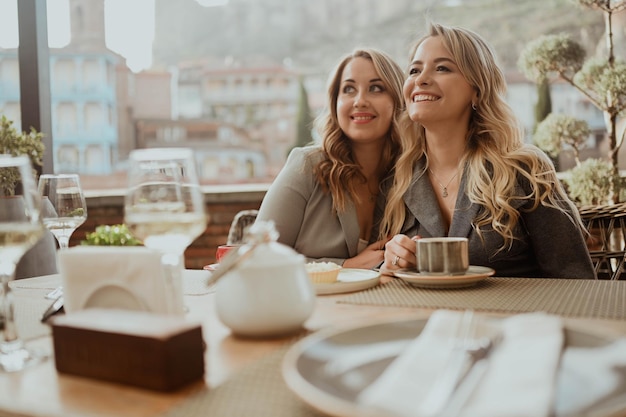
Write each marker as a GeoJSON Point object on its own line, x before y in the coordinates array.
{"type": "Point", "coordinates": [468, 350]}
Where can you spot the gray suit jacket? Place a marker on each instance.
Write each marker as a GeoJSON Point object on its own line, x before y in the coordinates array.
{"type": "Point", "coordinates": [547, 243]}
{"type": "Point", "coordinates": [304, 215]}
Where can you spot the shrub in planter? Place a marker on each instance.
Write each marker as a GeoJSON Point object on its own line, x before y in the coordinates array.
{"type": "Point", "coordinates": [592, 181]}
{"type": "Point", "coordinates": [115, 235]}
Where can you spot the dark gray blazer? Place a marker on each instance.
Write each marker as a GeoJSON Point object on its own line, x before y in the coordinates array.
{"type": "Point", "coordinates": [547, 243]}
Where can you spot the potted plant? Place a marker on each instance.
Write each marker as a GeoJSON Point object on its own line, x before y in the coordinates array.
{"type": "Point", "coordinates": [602, 80]}
{"type": "Point", "coordinates": [17, 143]}
{"type": "Point", "coordinates": [115, 235]}
{"type": "Point", "coordinates": [41, 258]}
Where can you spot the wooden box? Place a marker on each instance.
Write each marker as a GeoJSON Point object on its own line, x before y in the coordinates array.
{"type": "Point", "coordinates": [153, 351]}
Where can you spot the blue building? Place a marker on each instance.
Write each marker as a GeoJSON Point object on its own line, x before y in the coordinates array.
{"type": "Point", "coordinates": [84, 96]}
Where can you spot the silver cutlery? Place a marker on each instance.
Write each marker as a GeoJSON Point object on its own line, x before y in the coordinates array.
{"type": "Point", "coordinates": [55, 308]}
{"type": "Point", "coordinates": [368, 353]}
{"type": "Point", "coordinates": [468, 351]}
{"type": "Point", "coordinates": [55, 293]}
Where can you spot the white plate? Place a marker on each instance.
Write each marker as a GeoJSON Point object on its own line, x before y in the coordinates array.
{"type": "Point", "coordinates": [473, 275]}
{"type": "Point", "coordinates": [306, 374]}
{"type": "Point", "coordinates": [349, 280]}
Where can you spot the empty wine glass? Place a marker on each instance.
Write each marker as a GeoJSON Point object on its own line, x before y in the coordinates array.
{"type": "Point", "coordinates": [63, 209]}
{"type": "Point", "coordinates": [164, 207]}
{"type": "Point", "coordinates": [20, 228]}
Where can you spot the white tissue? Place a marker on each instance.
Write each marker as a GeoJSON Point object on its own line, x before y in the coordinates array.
{"type": "Point", "coordinates": [114, 277]}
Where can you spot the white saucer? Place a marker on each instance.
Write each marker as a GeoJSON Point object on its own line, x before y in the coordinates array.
{"type": "Point", "coordinates": [473, 275]}
{"type": "Point", "coordinates": [349, 280]}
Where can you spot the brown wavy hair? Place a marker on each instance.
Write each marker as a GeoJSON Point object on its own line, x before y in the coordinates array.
{"type": "Point", "coordinates": [338, 171]}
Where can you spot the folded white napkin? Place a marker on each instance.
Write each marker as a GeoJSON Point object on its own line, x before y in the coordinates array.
{"type": "Point", "coordinates": [117, 277]}
{"type": "Point", "coordinates": [592, 381]}
{"type": "Point", "coordinates": [519, 379]}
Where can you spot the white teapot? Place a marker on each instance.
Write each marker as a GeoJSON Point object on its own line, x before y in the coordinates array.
{"type": "Point", "coordinates": [268, 291]}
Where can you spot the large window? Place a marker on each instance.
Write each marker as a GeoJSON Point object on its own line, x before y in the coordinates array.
{"type": "Point", "coordinates": [231, 70]}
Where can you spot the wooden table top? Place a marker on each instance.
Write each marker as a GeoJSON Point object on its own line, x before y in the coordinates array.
{"type": "Point", "coordinates": [41, 391]}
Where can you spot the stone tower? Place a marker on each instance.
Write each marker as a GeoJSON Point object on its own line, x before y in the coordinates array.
{"type": "Point", "coordinates": [87, 25]}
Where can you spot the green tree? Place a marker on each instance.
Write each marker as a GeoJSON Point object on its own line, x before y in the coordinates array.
{"type": "Point", "coordinates": [543, 107]}
{"type": "Point", "coordinates": [591, 181]}
{"type": "Point", "coordinates": [601, 80]}
{"type": "Point", "coordinates": [559, 130]}
{"type": "Point", "coordinates": [304, 121]}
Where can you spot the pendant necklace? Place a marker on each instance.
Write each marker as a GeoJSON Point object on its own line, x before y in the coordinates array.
{"type": "Point", "coordinates": [444, 188]}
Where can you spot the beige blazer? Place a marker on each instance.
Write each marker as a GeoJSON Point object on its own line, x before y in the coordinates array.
{"type": "Point", "coordinates": [303, 212]}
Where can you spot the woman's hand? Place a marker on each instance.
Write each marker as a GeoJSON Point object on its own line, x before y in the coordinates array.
{"type": "Point", "coordinates": [400, 253]}
{"type": "Point", "coordinates": [369, 258]}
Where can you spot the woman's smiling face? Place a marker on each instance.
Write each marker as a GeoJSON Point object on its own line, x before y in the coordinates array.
{"type": "Point", "coordinates": [436, 90]}
{"type": "Point", "coordinates": [364, 106]}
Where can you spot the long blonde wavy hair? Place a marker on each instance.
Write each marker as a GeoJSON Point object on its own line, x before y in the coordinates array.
{"type": "Point", "coordinates": [496, 157]}
{"type": "Point", "coordinates": [338, 171]}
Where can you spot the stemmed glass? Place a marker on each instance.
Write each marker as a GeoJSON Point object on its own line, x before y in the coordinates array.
{"type": "Point", "coordinates": [63, 209]}
{"type": "Point", "coordinates": [64, 206]}
{"type": "Point", "coordinates": [164, 207]}
{"type": "Point", "coordinates": [20, 228]}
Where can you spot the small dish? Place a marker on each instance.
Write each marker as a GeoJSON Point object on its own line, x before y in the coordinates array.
{"type": "Point", "coordinates": [473, 275]}
{"type": "Point", "coordinates": [349, 280]}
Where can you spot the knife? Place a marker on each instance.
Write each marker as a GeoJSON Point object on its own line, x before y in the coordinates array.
{"type": "Point", "coordinates": [55, 308]}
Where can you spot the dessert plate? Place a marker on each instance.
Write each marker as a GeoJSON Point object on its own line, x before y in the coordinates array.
{"type": "Point", "coordinates": [473, 275]}
{"type": "Point", "coordinates": [305, 367]}
{"type": "Point", "coordinates": [349, 280]}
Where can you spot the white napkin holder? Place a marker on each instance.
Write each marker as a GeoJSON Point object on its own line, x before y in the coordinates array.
{"type": "Point", "coordinates": [113, 277]}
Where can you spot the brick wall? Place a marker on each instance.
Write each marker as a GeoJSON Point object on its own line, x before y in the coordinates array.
{"type": "Point", "coordinates": [222, 203]}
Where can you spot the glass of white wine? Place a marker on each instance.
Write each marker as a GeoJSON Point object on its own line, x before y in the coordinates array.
{"type": "Point", "coordinates": [20, 228]}
{"type": "Point", "coordinates": [64, 207]}
{"type": "Point", "coordinates": [164, 207]}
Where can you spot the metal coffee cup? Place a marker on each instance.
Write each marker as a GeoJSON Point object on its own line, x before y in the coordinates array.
{"type": "Point", "coordinates": [442, 255]}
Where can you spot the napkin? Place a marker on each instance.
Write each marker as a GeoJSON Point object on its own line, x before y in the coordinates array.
{"type": "Point", "coordinates": [116, 277]}
{"type": "Point", "coordinates": [518, 380]}
{"type": "Point", "coordinates": [592, 380]}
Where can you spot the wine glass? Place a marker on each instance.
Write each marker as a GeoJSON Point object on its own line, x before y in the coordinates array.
{"type": "Point", "coordinates": [20, 228]}
{"type": "Point", "coordinates": [64, 206]}
{"type": "Point", "coordinates": [63, 209]}
{"type": "Point", "coordinates": [164, 207]}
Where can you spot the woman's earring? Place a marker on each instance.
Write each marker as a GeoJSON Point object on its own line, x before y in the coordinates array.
{"type": "Point", "coordinates": [473, 106]}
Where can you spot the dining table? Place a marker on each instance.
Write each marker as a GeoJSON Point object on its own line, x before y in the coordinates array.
{"type": "Point", "coordinates": [243, 375]}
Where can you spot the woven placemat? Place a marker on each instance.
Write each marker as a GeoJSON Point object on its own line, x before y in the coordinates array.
{"type": "Point", "coordinates": [565, 297]}
{"type": "Point", "coordinates": [258, 390]}
{"type": "Point", "coordinates": [194, 283]}
{"type": "Point", "coordinates": [28, 313]}
{"type": "Point", "coordinates": [47, 282]}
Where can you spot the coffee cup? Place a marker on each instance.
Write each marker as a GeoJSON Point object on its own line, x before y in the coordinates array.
{"type": "Point", "coordinates": [442, 255]}
{"type": "Point", "coordinates": [223, 250]}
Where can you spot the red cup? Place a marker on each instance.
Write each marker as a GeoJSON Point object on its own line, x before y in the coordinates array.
{"type": "Point", "coordinates": [222, 251]}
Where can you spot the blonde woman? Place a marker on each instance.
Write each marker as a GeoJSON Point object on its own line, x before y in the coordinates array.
{"type": "Point", "coordinates": [323, 200]}
{"type": "Point", "coordinates": [465, 170]}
